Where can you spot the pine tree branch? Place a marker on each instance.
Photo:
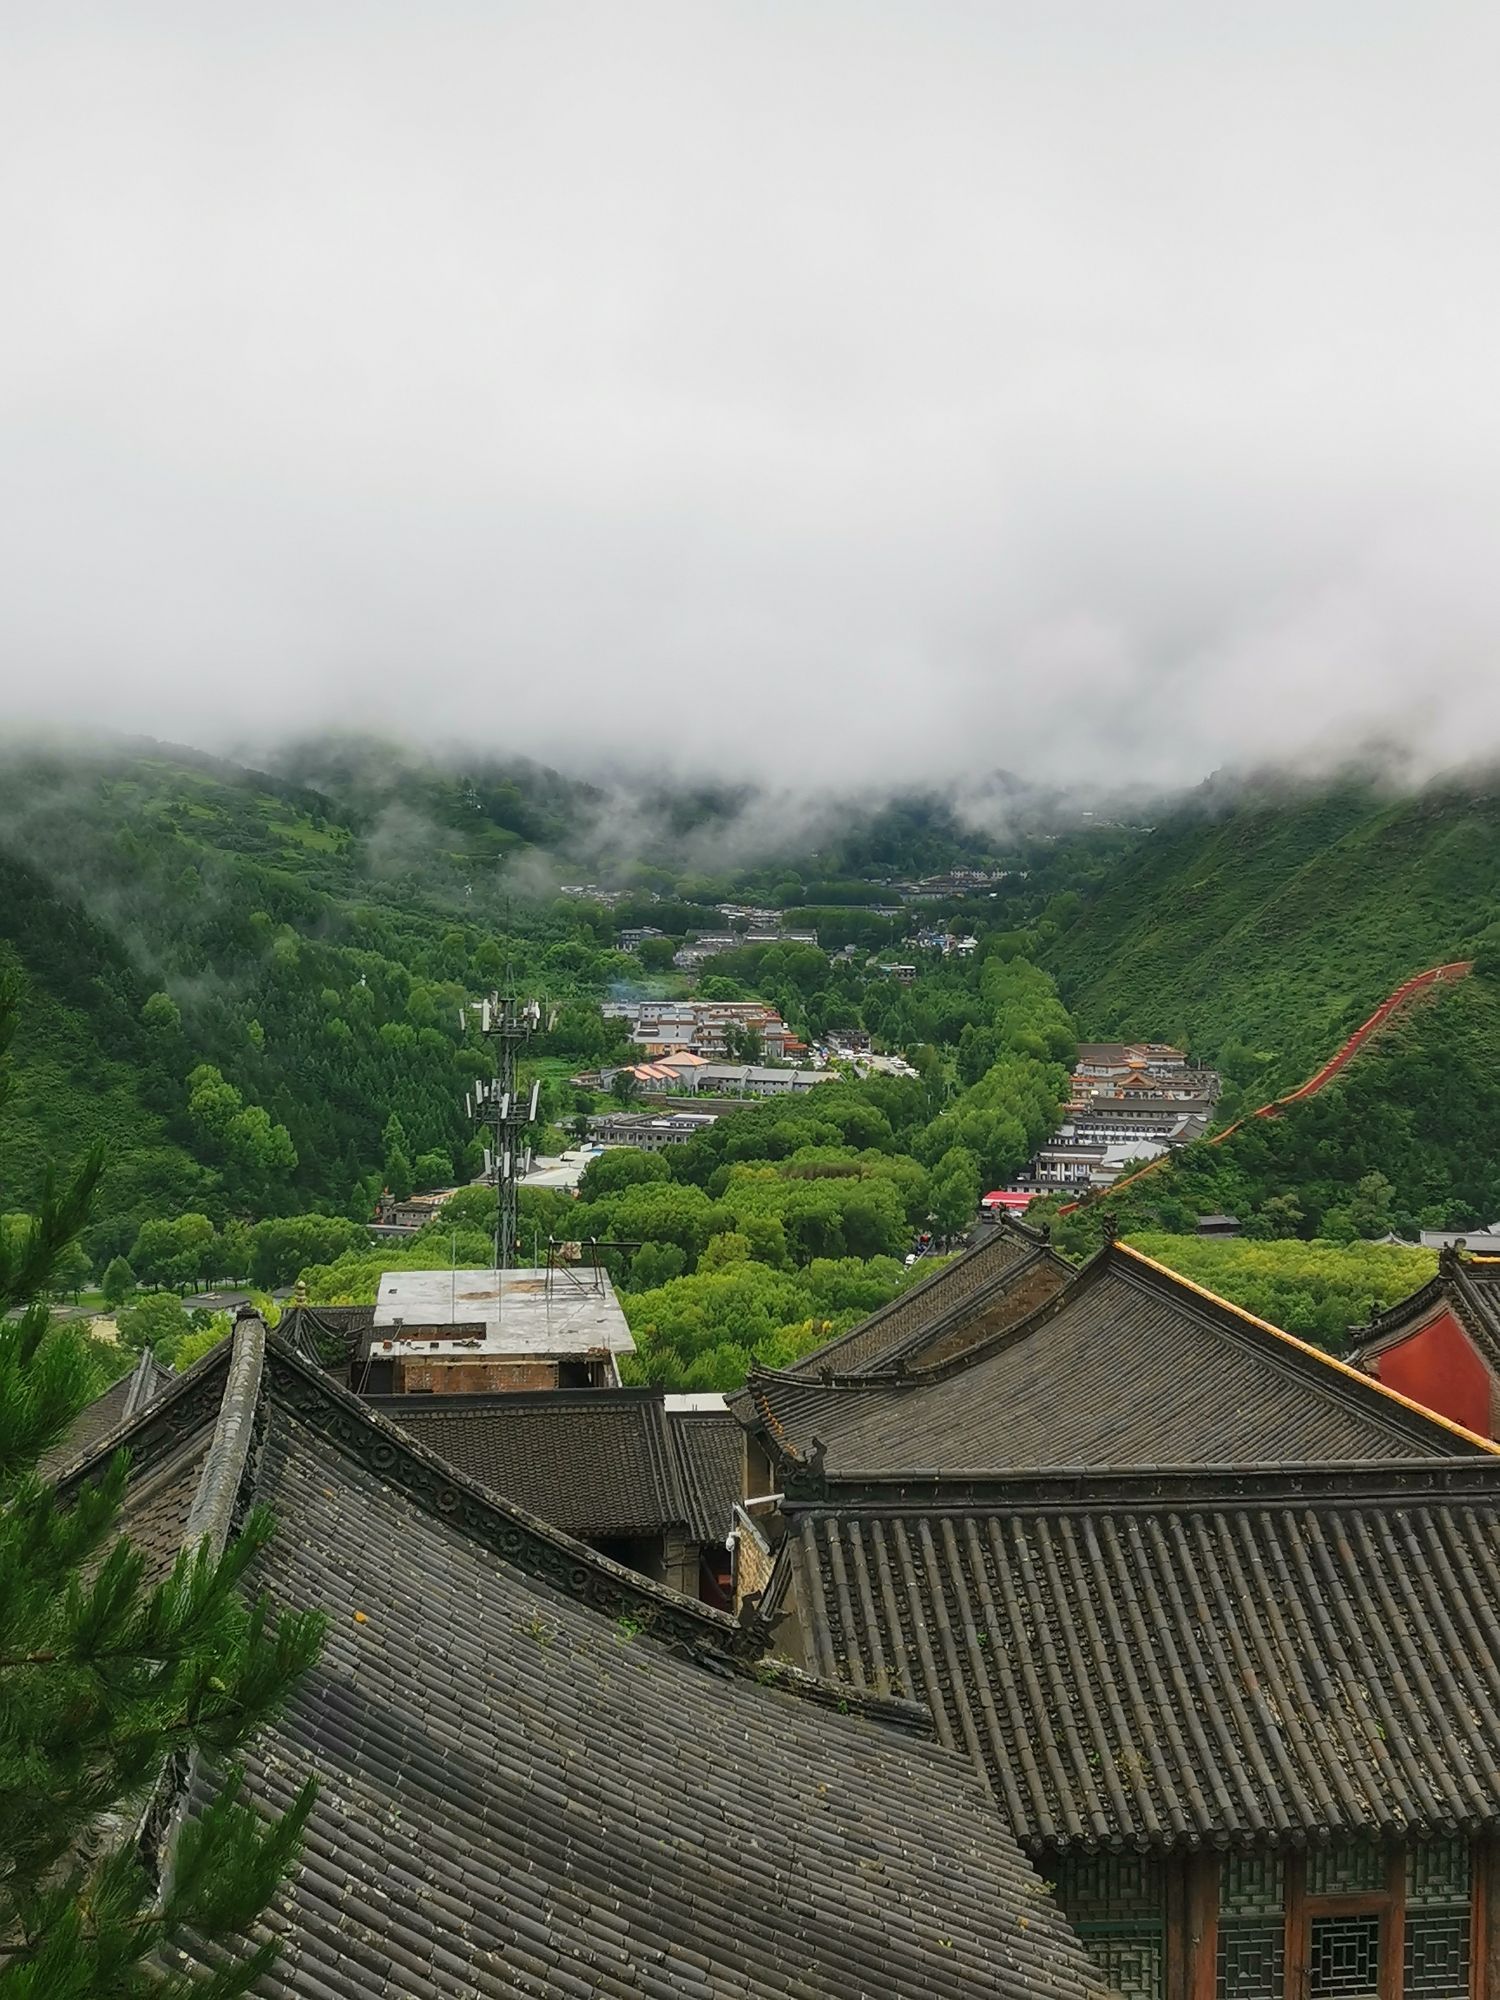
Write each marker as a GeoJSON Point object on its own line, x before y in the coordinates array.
{"type": "Point", "coordinates": [104, 1679]}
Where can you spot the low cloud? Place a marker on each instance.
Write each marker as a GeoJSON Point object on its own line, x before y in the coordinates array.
{"type": "Point", "coordinates": [827, 396]}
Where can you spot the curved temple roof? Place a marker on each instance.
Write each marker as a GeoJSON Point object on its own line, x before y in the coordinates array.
{"type": "Point", "coordinates": [1142, 1660]}
{"type": "Point", "coordinates": [541, 1773]}
{"type": "Point", "coordinates": [591, 1461]}
{"type": "Point", "coordinates": [948, 1296]}
{"type": "Point", "coordinates": [1469, 1286]}
{"type": "Point", "coordinates": [1127, 1365]}
{"type": "Point", "coordinates": [125, 1397]}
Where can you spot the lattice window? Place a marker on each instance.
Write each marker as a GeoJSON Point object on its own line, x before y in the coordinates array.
{"type": "Point", "coordinates": [1348, 1868]}
{"type": "Point", "coordinates": [1096, 1888]}
{"type": "Point", "coordinates": [1252, 1959]}
{"type": "Point", "coordinates": [1252, 1928]}
{"type": "Point", "coordinates": [1251, 1884]}
{"type": "Point", "coordinates": [1116, 1904]}
{"type": "Point", "coordinates": [1344, 1948]}
{"type": "Point", "coordinates": [1437, 1871]}
{"type": "Point", "coordinates": [1343, 1958]}
{"type": "Point", "coordinates": [1437, 1921]}
{"type": "Point", "coordinates": [1437, 1955]}
{"type": "Point", "coordinates": [1133, 1967]}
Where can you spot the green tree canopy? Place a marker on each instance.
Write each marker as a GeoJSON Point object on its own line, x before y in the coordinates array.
{"type": "Point", "coordinates": [104, 1674]}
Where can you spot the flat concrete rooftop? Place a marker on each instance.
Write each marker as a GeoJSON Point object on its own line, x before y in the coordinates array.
{"type": "Point", "coordinates": [522, 1312]}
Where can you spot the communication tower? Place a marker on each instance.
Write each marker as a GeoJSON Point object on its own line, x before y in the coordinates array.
{"type": "Point", "coordinates": [502, 1109]}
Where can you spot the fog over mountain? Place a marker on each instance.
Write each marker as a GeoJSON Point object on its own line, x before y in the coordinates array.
{"type": "Point", "coordinates": [816, 392]}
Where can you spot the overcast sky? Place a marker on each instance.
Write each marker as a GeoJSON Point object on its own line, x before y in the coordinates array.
{"type": "Point", "coordinates": [830, 390]}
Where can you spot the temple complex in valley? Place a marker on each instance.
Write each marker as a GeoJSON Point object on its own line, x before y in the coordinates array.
{"type": "Point", "coordinates": [1052, 1632]}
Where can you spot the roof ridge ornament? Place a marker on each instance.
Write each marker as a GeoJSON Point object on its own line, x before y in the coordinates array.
{"type": "Point", "coordinates": [212, 1518]}
{"type": "Point", "coordinates": [758, 1626]}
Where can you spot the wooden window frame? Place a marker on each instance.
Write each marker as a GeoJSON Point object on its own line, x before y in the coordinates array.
{"type": "Point", "coordinates": [1388, 1903]}
{"type": "Point", "coordinates": [1484, 1920]}
{"type": "Point", "coordinates": [1192, 1923]}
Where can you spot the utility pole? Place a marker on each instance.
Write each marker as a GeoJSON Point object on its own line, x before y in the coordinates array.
{"type": "Point", "coordinates": [497, 1105]}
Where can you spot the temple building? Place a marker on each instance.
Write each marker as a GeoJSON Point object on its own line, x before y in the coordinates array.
{"type": "Point", "coordinates": [1217, 1615]}
{"type": "Point", "coordinates": [1123, 1364]}
{"type": "Point", "coordinates": [1245, 1724]}
{"type": "Point", "coordinates": [652, 1486]}
{"type": "Point", "coordinates": [1086, 1634]}
{"type": "Point", "coordinates": [648, 1479]}
{"type": "Point", "coordinates": [542, 1773]}
{"type": "Point", "coordinates": [1441, 1345]}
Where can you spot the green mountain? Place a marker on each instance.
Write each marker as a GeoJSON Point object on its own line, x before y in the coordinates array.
{"type": "Point", "coordinates": [86, 1071]}
{"type": "Point", "coordinates": [1403, 1139]}
{"type": "Point", "coordinates": [248, 989]}
{"type": "Point", "coordinates": [1260, 928]}
{"type": "Point", "coordinates": [248, 983]}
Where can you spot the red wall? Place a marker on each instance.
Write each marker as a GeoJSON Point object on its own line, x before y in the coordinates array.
{"type": "Point", "coordinates": [1437, 1367]}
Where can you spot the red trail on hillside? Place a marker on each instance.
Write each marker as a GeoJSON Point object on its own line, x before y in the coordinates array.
{"type": "Point", "coordinates": [1404, 994]}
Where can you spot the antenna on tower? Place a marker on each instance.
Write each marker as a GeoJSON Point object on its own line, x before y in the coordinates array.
{"type": "Point", "coordinates": [504, 1111]}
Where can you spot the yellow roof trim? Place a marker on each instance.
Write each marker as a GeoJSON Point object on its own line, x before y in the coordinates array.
{"type": "Point", "coordinates": [1306, 1347]}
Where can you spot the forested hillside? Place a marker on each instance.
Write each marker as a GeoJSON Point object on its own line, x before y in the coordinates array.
{"type": "Point", "coordinates": [1403, 1139]}
{"type": "Point", "coordinates": [249, 990]}
{"type": "Point", "coordinates": [249, 983]}
{"type": "Point", "coordinates": [1261, 929]}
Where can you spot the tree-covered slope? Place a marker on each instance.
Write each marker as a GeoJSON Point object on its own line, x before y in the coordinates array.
{"type": "Point", "coordinates": [1407, 1137]}
{"type": "Point", "coordinates": [237, 983]}
{"type": "Point", "coordinates": [249, 983]}
{"type": "Point", "coordinates": [1262, 930]}
{"type": "Point", "coordinates": [85, 1070]}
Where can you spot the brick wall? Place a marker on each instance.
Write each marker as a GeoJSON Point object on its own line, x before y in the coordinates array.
{"type": "Point", "coordinates": [752, 1566]}
{"type": "Point", "coordinates": [472, 1378]}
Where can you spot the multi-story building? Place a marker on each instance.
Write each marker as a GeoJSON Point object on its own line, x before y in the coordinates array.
{"type": "Point", "coordinates": [1148, 1116]}
{"type": "Point", "coordinates": [701, 1027]}
{"type": "Point", "coordinates": [650, 1133]}
{"type": "Point", "coordinates": [1117, 1059]}
{"type": "Point", "coordinates": [754, 1080]}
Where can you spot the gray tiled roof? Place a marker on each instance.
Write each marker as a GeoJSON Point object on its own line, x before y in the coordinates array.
{"type": "Point", "coordinates": [1127, 1365]}
{"type": "Point", "coordinates": [155, 1514]}
{"type": "Point", "coordinates": [945, 1292]}
{"type": "Point", "coordinates": [129, 1393]}
{"type": "Point", "coordinates": [1142, 1660]}
{"type": "Point", "coordinates": [542, 1775]}
{"type": "Point", "coordinates": [710, 1448]}
{"type": "Point", "coordinates": [592, 1461]}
